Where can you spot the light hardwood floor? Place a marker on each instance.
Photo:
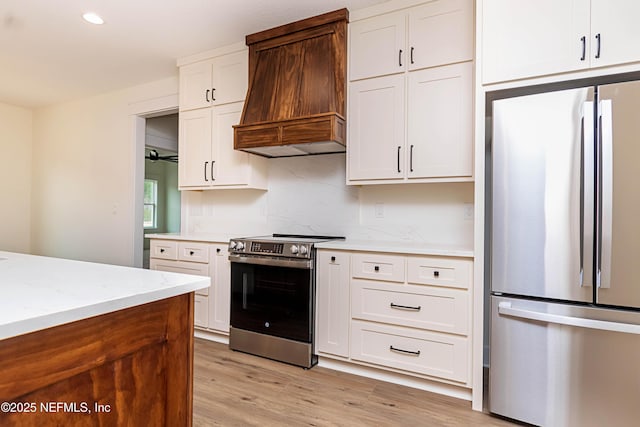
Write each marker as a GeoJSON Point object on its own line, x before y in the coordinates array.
{"type": "Point", "coordinates": [236, 389]}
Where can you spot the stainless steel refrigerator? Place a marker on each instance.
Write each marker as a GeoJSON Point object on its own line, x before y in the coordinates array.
{"type": "Point", "coordinates": [563, 211]}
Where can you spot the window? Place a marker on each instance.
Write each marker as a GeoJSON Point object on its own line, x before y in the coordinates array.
{"type": "Point", "coordinates": [150, 203]}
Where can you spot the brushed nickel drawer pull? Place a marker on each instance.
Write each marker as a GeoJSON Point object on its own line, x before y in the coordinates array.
{"type": "Point", "coordinates": [404, 307]}
{"type": "Point", "coordinates": [399, 350]}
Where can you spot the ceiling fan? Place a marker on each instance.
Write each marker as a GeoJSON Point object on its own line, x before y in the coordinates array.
{"type": "Point", "coordinates": [154, 156]}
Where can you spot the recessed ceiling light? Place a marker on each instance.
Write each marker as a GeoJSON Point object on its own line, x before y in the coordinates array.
{"type": "Point", "coordinates": [93, 18]}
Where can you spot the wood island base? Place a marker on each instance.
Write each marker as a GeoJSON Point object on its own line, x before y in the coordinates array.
{"type": "Point", "coordinates": [132, 367]}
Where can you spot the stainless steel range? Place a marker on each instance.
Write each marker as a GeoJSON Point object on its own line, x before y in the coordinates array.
{"type": "Point", "coordinates": [273, 296]}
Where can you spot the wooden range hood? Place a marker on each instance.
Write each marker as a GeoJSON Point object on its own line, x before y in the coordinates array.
{"type": "Point", "coordinates": [297, 81]}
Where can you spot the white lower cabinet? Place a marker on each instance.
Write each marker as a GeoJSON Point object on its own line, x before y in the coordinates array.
{"type": "Point", "coordinates": [444, 310]}
{"type": "Point", "coordinates": [400, 312]}
{"type": "Point", "coordinates": [332, 290]}
{"type": "Point", "coordinates": [211, 305]}
{"type": "Point", "coordinates": [422, 352]}
{"type": "Point", "coordinates": [201, 311]}
{"type": "Point", "coordinates": [220, 297]}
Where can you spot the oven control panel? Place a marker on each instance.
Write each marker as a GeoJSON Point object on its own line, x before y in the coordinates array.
{"type": "Point", "coordinates": [266, 248]}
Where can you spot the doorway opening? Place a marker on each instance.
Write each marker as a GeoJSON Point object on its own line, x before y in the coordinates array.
{"type": "Point", "coordinates": [161, 200]}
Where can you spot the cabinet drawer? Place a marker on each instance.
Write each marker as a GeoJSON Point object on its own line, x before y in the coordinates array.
{"type": "Point", "coordinates": [428, 353]}
{"type": "Point", "coordinates": [201, 311]}
{"type": "Point", "coordinates": [440, 271]}
{"type": "Point", "coordinates": [437, 309]}
{"type": "Point", "coordinates": [194, 252]}
{"type": "Point", "coordinates": [378, 267]}
{"type": "Point", "coordinates": [165, 249]}
{"type": "Point", "coordinates": [182, 267]}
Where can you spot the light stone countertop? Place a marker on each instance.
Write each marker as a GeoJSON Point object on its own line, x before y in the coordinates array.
{"type": "Point", "coordinates": [41, 292]}
{"type": "Point", "coordinates": [399, 247]}
{"type": "Point", "coordinates": [396, 247]}
{"type": "Point", "coordinates": [192, 237]}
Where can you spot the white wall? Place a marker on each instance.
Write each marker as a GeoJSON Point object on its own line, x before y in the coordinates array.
{"type": "Point", "coordinates": [308, 195]}
{"type": "Point", "coordinates": [15, 178]}
{"type": "Point", "coordinates": [83, 175]}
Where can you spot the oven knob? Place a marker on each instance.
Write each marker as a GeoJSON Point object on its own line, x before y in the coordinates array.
{"type": "Point", "coordinates": [232, 245]}
{"type": "Point", "coordinates": [303, 250]}
{"type": "Point", "coordinates": [239, 246]}
{"type": "Point", "coordinates": [294, 249]}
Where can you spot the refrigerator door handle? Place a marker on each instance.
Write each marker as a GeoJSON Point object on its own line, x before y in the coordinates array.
{"type": "Point", "coordinates": [606, 194]}
{"type": "Point", "coordinates": [587, 196]}
{"type": "Point", "coordinates": [505, 309]}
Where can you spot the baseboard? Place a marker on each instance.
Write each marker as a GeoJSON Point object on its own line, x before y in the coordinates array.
{"type": "Point", "coordinates": [396, 378]}
{"type": "Point", "coordinates": [211, 335]}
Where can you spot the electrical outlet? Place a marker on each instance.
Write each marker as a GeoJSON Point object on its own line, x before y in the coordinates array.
{"type": "Point", "coordinates": [378, 210]}
{"type": "Point", "coordinates": [468, 211]}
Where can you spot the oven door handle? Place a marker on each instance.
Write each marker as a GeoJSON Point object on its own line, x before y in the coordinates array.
{"type": "Point", "coordinates": [274, 262]}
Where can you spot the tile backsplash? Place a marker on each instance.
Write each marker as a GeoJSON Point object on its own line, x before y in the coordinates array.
{"type": "Point", "coordinates": [308, 195]}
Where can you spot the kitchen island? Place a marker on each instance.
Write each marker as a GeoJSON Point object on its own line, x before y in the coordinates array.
{"type": "Point", "coordinates": [94, 344]}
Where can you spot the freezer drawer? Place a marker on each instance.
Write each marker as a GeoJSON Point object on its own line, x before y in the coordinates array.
{"type": "Point", "coordinates": [561, 365]}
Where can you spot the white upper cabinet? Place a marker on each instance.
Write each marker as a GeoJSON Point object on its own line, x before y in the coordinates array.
{"type": "Point", "coordinates": [531, 38]}
{"type": "Point", "coordinates": [231, 167]}
{"type": "Point", "coordinates": [437, 33]}
{"type": "Point", "coordinates": [195, 85]}
{"type": "Point", "coordinates": [217, 81]}
{"type": "Point", "coordinates": [439, 127]}
{"type": "Point", "coordinates": [614, 25]}
{"type": "Point", "coordinates": [377, 128]}
{"type": "Point", "coordinates": [207, 157]}
{"type": "Point", "coordinates": [377, 46]}
{"type": "Point", "coordinates": [440, 32]}
{"type": "Point", "coordinates": [212, 92]}
{"type": "Point", "coordinates": [194, 148]}
{"type": "Point", "coordinates": [410, 95]}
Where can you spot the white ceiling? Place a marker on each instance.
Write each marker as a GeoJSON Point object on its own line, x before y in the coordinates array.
{"type": "Point", "coordinates": [48, 54]}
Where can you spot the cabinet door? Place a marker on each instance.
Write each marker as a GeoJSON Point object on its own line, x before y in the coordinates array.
{"type": "Point", "coordinates": [528, 38]}
{"type": "Point", "coordinates": [230, 167]}
{"type": "Point", "coordinates": [220, 300]}
{"type": "Point", "coordinates": [377, 46]}
{"type": "Point", "coordinates": [332, 289]}
{"type": "Point", "coordinates": [615, 23]}
{"type": "Point", "coordinates": [376, 128]}
{"type": "Point", "coordinates": [194, 148]}
{"type": "Point", "coordinates": [440, 32]}
{"type": "Point", "coordinates": [195, 85]}
{"type": "Point", "coordinates": [200, 311]}
{"type": "Point", "coordinates": [230, 78]}
{"type": "Point", "coordinates": [440, 127]}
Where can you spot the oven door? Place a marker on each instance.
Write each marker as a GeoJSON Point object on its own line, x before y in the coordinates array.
{"type": "Point", "coordinates": [272, 296]}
